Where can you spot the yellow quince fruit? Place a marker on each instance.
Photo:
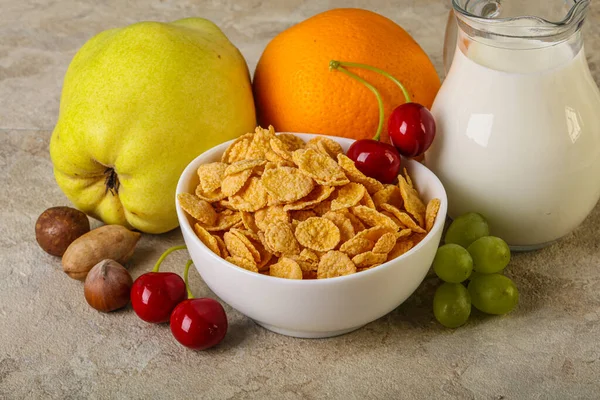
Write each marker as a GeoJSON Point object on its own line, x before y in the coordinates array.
{"type": "Point", "coordinates": [138, 104]}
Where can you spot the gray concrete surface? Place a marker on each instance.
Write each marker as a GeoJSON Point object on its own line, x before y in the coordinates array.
{"type": "Point", "coordinates": [52, 345]}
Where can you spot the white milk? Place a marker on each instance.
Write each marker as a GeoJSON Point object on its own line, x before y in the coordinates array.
{"type": "Point", "coordinates": [519, 143]}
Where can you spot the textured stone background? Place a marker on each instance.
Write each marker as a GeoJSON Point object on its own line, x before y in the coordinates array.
{"type": "Point", "coordinates": [52, 345]}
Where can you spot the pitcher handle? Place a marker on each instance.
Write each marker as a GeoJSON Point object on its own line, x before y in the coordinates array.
{"type": "Point", "coordinates": [450, 40]}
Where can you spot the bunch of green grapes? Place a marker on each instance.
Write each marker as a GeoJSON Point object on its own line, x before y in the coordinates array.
{"type": "Point", "coordinates": [470, 253]}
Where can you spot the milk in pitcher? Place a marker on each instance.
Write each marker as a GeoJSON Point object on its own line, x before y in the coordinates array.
{"type": "Point", "coordinates": [519, 138]}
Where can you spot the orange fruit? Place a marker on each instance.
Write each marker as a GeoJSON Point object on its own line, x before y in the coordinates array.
{"type": "Point", "coordinates": [295, 91]}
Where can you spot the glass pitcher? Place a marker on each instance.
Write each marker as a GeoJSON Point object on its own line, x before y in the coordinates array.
{"type": "Point", "coordinates": [518, 119]}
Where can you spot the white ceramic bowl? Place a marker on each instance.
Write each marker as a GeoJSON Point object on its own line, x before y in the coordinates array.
{"type": "Point", "coordinates": [323, 307]}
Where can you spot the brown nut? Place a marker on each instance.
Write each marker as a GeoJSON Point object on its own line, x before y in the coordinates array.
{"type": "Point", "coordinates": [107, 286]}
{"type": "Point", "coordinates": [113, 242]}
{"type": "Point", "coordinates": [57, 227]}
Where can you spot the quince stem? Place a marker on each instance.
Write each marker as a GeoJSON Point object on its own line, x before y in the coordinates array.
{"type": "Point", "coordinates": [165, 254]}
{"type": "Point", "coordinates": [337, 65]}
{"type": "Point", "coordinates": [111, 181]}
{"type": "Point", "coordinates": [185, 279]}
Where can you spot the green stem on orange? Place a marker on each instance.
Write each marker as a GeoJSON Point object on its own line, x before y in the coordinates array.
{"type": "Point", "coordinates": [165, 254]}
{"type": "Point", "coordinates": [336, 65]}
{"type": "Point", "coordinates": [379, 71]}
{"type": "Point", "coordinates": [185, 279]}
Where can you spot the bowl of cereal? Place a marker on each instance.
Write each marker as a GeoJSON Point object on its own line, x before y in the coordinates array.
{"type": "Point", "coordinates": [286, 230]}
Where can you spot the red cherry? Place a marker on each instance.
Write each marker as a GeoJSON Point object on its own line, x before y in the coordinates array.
{"type": "Point", "coordinates": [412, 129]}
{"type": "Point", "coordinates": [375, 159]}
{"type": "Point", "coordinates": [154, 295]}
{"type": "Point", "coordinates": [199, 323]}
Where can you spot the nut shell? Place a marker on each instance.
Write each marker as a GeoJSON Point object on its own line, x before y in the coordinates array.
{"type": "Point", "coordinates": [113, 242]}
{"type": "Point", "coordinates": [107, 286]}
{"type": "Point", "coordinates": [57, 227]}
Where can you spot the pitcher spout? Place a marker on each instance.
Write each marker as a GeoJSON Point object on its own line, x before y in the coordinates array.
{"type": "Point", "coordinates": [543, 20]}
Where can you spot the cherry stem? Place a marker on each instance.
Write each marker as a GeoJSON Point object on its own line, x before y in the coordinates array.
{"type": "Point", "coordinates": [379, 71]}
{"type": "Point", "coordinates": [337, 65]}
{"type": "Point", "coordinates": [185, 279]}
{"type": "Point", "coordinates": [165, 254]}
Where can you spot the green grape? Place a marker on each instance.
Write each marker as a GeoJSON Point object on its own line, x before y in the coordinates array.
{"type": "Point", "coordinates": [452, 263]}
{"type": "Point", "coordinates": [452, 305]}
{"type": "Point", "coordinates": [466, 229]}
{"type": "Point", "coordinates": [474, 275]}
{"type": "Point", "coordinates": [490, 254]}
{"type": "Point", "coordinates": [493, 293]}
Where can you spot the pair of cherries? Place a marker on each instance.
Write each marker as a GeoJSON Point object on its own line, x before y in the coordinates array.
{"type": "Point", "coordinates": [158, 297]}
{"type": "Point", "coordinates": [411, 129]}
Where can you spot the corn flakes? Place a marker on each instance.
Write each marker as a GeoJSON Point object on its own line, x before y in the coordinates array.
{"type": "Point", "coordinates": [343, 223]}
{"type": "Point", "coordinates": [322, 208]}
{"type": "Point", "coordinates": [318, 166]}
{"type": "Point", "coordinates": [211, 197]}
{"type": "Point", "coordinates": [280, 239]}
{"type": "Point", "coordinates": [208, 239]}
{"type": "Point", "coordinates": [280, 149]}
{"type": "Point", "coordinates": [291, 142]}
{"type": "Point", "coordinates": [222, 248]}
{"type": "Point", "coordinates": [325, 146]}
{"type": "Point", "coordinates": [385, 244]}
{"type": "Point", "coordinates": [404, 233]}
{"type": "Point", "coordinates": [318, 233]}
{"type": "Point", "coordinates": [390, 194]}
{"type": "Point", "coordinates": [368, 259]}
{"type": "Point", "coordinates": [252, 197]}
{"type": "Point", "coordinates": [356, 245]}
{"type": "Point", "coordinates": [237, 150]}
{"type": "Point", "coordinates": [242, 263]}
{"type": "Point", "coordinates": [248, 221]}
{"type": "Point", "coordinates": [308, 261]}
{"type": "Point", "coordinates": [348, 195]}
{"type": "Point", "coordinates": [243, 165]}
{"type": "Point", "coordinates": [375, 232]}
{"type": "Point", "coordinates": [356, 223]}
{"type": "Point", "coordinates": [393, 218]}
{"type": "Point", "coordinates": [211, 175]}
{"type": "Point", "coordinates": [235, 182]}
{"type": "Point", "coordinates": [266, 216]}
{"type": "Point", "coordinates": [236, 247]}
{"type": "Point", "coordinates": [403, 217]}
{"type": "Point", "coordinates": [286, 268]}
{"type": "Point", "coordinates": [260, 144]}
{"type": "Point", "coordinates": [334, 264]}
{"type": "Point", "coordinates": [431, 213]}
{"type": "Point", "coordinates": [274, 158]}
{"type": "Point", "coordinates": [278, 206]}
{"type": "Point", "coordinates": [287, 184]}
{"type": "Point", "coordinates": [412, 202]}
{"type": "Point", "coordinates": [316, 196]}
{"type": "Point", "coordinates": [367, 201]}
{"type": "Point", "coordinates": [399, 249]}
{"type": "Point", "coordinates": [302, 215]}
{"type": "Point", "coordinates": [225, 220]}
{"type": "Point", "coordinates": [199, 209]}
{"type": "Point", "coordinates": [244, 239]}
{"type": "Point", "coordinates": [408, 179]}
{"type": "Point", "coordinates": [373, 217]}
